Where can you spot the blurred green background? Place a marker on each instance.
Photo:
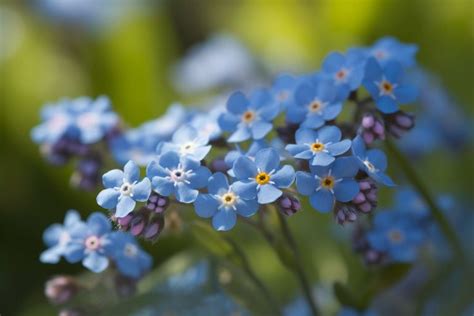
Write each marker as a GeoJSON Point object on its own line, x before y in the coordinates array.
{"type": "Point", "coordinates": [43, 59]}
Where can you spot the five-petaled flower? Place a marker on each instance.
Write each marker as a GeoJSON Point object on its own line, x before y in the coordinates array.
{"type": "Point", "coordinates": [188, 142]}
{"type": "Point", "coordinates": [390, 49]}
{"type": "Point", "coordinates": [249, 118]}
{"type": "Point", "coordinates": [325, 185]}
{"type": "Point", "coordinates": [178, 175]}
{"type": "Point", "coordinates": [372, 161]}
{"type": "Point", "coordinates": [262, 177]}
{"type": "Point", "coordinates": [223, 202]}
{"type": "Point", "coordinates": [123, 189]}
{"type": "Point", "coordinates": [320, 147]}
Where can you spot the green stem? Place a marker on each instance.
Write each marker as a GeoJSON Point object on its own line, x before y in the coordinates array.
{"type": "Point", "coordinates": [437, 214]}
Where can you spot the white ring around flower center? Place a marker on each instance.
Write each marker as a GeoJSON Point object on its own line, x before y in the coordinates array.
{"type": "Point", "coordinates": [92, 242]}
{"type": "Point", "coordinates": [130, 250]}
{"type": "Point", "coordinates": [126, 188]}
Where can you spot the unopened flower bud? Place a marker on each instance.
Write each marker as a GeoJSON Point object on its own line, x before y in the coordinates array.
{"type": "Point", "coordinates": [366, 200]}
{"type": "Point", "coordinates": [124, 222]}
{"type": "Point", "coordinates": [288, 204]}
{"type": "Point", "coordinates": [137, 225]}
{"type": "Point", "coordinates": [371, 128]}
{"type": "Point", "coordinates": [345, 213]}
{"type": "Point", "coordinates": [154, 228]}
{"type": "Point", "coordinates": [157, 203]}
{"type": "Point", "coordinates": [399, 123]}
{"type": "Point", "coordinates": [61, 289]}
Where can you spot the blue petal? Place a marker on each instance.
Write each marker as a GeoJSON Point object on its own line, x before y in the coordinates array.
{"type": "Point", "coordinates": [247, 208]}
{"type": "Point", "coordinates": [373, 71]}
{"type": "Point", "coordinates": [113, 178]}
{"type": "Point", "coordinates": [237, 103]}
{"type": "Point", "coordinates": [326, 90]}
{"type": "Point", "coordinates": [169, 160]}
{"type": "Point", "coordinates": [245, 189]}
{"type": "Point", "coordinates": [163, 186]}
{"type": "Point", "coordinates": [305, 183]}
{"type": "Point", "coordinates": [244, 168]}
{"type": "Point", "coordinates": [329, 134]}
{"type": "Point", "coordinates": [381, 177]}
{"type": "Point", "coordinates": [188, 163]}
{"type": "Point", "coordinates": [185, 194]}
{"type": "Point", "coordinates": [184, 134]}
{"type": "Point", "coordinates": [304, 94]}
{"type": "Point", "coordinates": [306, 154]}
{"type": "Point", "coordinates": [260, 129]}
{"type": "Point", "coordinates": [95, 262]}
{"type": "Point", "coordinates": [74, 252]}
{"type": "Point", "coordinates": [386, 104]}
{"type": "Point", "coordinates": [199, 178]}
{"type": "Point", "coordinates": [217, 183]}
{"type": "Point", "coordinates": [332, 111]}
{"type": "Point", "coordinates": [131, 172]}
{"type": "Point", "coordinates": [141, 190]}
{"type": "Point", "coordinates": [333, 62]}
{"type": "Point", "coordinates": [294, 150]}
{"type": "Point", "coordinates": [377, 158]}
{"type": "Point", "coordinates": [406, 93]}
{"type": "Point", "coordinates": [322, 159]}
{"type": "Point", "coordinates": [313, 121]}
{"type": "Point", "coordinates": [322, 201]}
{"type": "Point", "coordinates": [358, 148]}
{"type": "Point", "coordinates": [224, 220]}
{"type": "Point", "coordinates": [284, 177]}
{"type": "Point", "coordinates": [154, 169]}
{"type": "Point", "coordinates": [108, 198]}
{"type": "Point", "coordinates": [51, 255]}
{"type": "Point", "coordinates": [228, 122]}
{"type": "Point", "coordinates": [206, 205]}
{"type": "Point", "coordinates": [393, 71]}
{"type": "Point", "coordinates": [241, 134]}
{"type": "Point", "coordinates": [125, 205]}
{"type": "Point", "coordinates": [268, 113]}
{"type": "Point", "coordinates": [267, 159]}
{"type": "Point", "coordinates": [305, 136]}
{"type": "Point", "coordinates": [345, 167]}
{"type": "Point", "coordinates": [339, 148]}
{"type": "Point", "coordinates": [98, 224]}
{"type": "Point", "coordinates": [296, 114]}
{"type": "Point", "coordinates": [268, 194]}
{"type": "Point", "coordinates": [71, 218]}
{"type": "Point", "coordinates": [201, 152]}
{"type": "Point", "coordinates": [346, 190]}
{"type": "Point", "coordinates": [52, 234]}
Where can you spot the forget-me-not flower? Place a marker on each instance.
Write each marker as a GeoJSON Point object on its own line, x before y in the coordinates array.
{"type": "Point", "coordinates": [178, 175]}
{"type": "Point", "coordinates": [320, 147]}
{"type": "Point", "coordinates": [123, 189]}
{"type": "Point", "coordinates": [389, 49]}
{"type": "Point", "coordinates": [386, 86]}
{"type": "Point", "coordinates": [372, 161]}
{"type": "Point", "coordinates": [325, 185]}
{"type": "Point", "coordinates": [283, 90]}
{"type": "Point", "coordinates": [249, 118]}
{"type": "Point", "coordinates": [224, 202]}
{"type": "Point", "coordinates": [187, 141]}
{"type": "Point", "coordinates": [263, 176]}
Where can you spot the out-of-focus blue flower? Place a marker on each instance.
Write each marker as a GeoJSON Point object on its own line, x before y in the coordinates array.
{"type": "Point", "coordinates": [315, 103]}
{"type": "Point", "coordinates": [129, 258]}
{"type": "Point", "coordinates": [409, 201]}
{"type": "Point", "coordinates": [88, 243]}
{"type": "Point", "coordinates": [262, 177]}
{"type": "Point", "coordinates": [221, 61]}
{"type": "Point", "coordinates": [283, 90]}
{"type": "Point", "coordinates": [345, 71]}
{"type": "Point", "coordinates": [372, 161]}
{"type": "Point", "coordinates": [206, 122]}
{"type": "Point", "coordinates": [82, 119]}
{"type": "Point", "coordinates": [57, 238]}
{"type": "Point", "coordinates": [181, 176]}
{"type": "Point", "coordinates": [123, 189]}
{"type": "Point", "coordinates": [347, 311]}
{"type": "Point", "coordinates": [224, 202]}
{"type": "Point", "coordinates": [186, 141]}
{"type": "Point", "coordinates": [389, 49]}
{"type": "Point", "coordinates": [325, 185]}
{"type": "Point", "coordinates": [320, 147]}
{"type": "Point", "coordinates": [249, 118]}
{"type": "Point", "coordinates": [386, 85]}
{"type": "Point", "coordinates": [396, 234]}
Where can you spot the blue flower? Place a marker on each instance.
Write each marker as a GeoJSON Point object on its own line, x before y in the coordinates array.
{"type": "Point", "coordinates": [347, 311]}
{"type": "Point", "coordinates": [396, 234]}
{"type": "Point", "coordinates": [129, 258]}
{"type": "Point", "coordinates": [57, 122]}
{"type": "Point", "coordinates": [249, 118]}
{"type": "Point", "coordinates": [134, 144]}
{"type": "Point", "coordinates": [386, 87]}
{"type": "Point", "coordinates": [321, 147]}
{"type": "Point", "coordinates": [206, 122]}
{"type": "Point", "coordinates": [123, 189]}
{"type": "Point", "coordinates": [262, 177]}
{"type": "Point", "coordinates": [88, 243]}
{"type": "Point", "coordinates": [346, 72]}
{"type": "Point", "coordinates": [232, 155]}
{"type": "Point", "coordinates": [283, 90]}
{"type": "Point", "coordinates": [315, 103]}
{"type": "Point", "coordinates": [224, 202]}
{"type": "Point", "coordinates": [325, 185]}
{"type": "Point", "coordinates": [180, 176]}
{"type": "Point", "coordinates": [389, 49]}
{"type": "Point", "coordinates": [373, 161]}
{"type": "Point", "coordinates": [186, 141]}
{"type": "Point", "coordinates": [57, 238]}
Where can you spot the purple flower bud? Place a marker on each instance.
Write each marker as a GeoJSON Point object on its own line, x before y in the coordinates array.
{"type": "Point", "coordinates": [378, 129]}
{"type": "Point", "coordinates": [61, 289]}
{"type": "Point", "coordinates": [124, 222]}
{"type": "Point", "coordinates": [359, 198]}
{"type": "Point", "coordinates": [137, 225]}
{"type": "Point", "coordinates": [365, 207]}
{"type": "Point", "coordinates": [371, 128]}
{"type": "Point", "coordinates": [288, 204]}
{"type": "Point", "coordinates": [399, 123]}
{"type": "Point", "coordinates": [368, 121]}
{"type": "Point", "coordinates": [154, 228]}
{"type": "Point", "coordinates": [71, 312]}
{"type": "Point", "coordinates": [218, 165]}
{"type": "Point", "coordinates": [157, 203]}
{"type": "Point", "coordinates": [364, 185]}
{"type": "Point", "coordinates": [345, 213]}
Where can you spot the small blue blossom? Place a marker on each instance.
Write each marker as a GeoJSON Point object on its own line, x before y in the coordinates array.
{"type": "Point", "coordinates": [345, 71]}
{"type": "Point", "coordinates": [315, 100]}
{"type": "Point", "coordinates": [325, 185]}
{"type": "Point", "coordinates": [57, 237]}
{"type": "Point", "coordinates": [320, 147]}
{"type": "Point", "coordinates": [206, 123]}
{"type": "Point", "coordinates": [224, 202]}
{"type": "Point", "coordinates": [186, 141]}
{"type": "Point", "coordinates": [262, 177]}
{"type": "Point", "coordinates": [389, 49]}
{"type": "Point", "coordinates": [396, 234]}
{"type": "Point", "coordinates": [130, 259]}
{"type": "Point", "coordinates": [123, 189]}
{"type": "Point", "coordinates": [134, 144]}
{"type": "Point", "coordinates": [249, 118]}
{"type": "Point", "coordinates": [57, 122]}
{"type": "Point", "coordinates": [283, 90]}
{"type": "Point", "coordinates": [88, 243]}
{"type": "Point", "coordinates": [373, 161]}
{"type": "Point", "coordinates": [181, 176]}
{"type": "Point", "coordinates": [386, 87]}
{"type": "Point", "coordinates": [232, 155]}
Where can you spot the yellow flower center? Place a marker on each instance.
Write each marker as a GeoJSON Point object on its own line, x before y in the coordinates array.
{"type": "Point", "coordinates": [262, 178]}
{"type": "Point", "coordinates": [248, 116]}
{"type": "Point", "coordinates": [317, 147]}
{"type": "Point", "coordinates": [328, 182]}
{"type": "Point", "coordinates": [395, 235]}
{"type": "Point", "coordinates": [315, 106]}
{"type": "Point", "coordinates": [387, 87]}
{"type": "Point", "coordinates": [228, 198]}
